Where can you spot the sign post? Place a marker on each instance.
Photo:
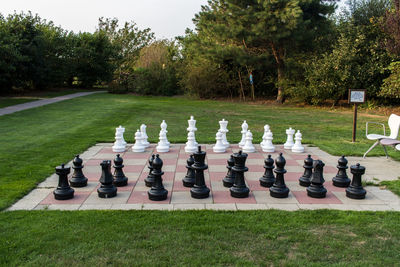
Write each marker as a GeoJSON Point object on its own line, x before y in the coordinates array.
{"type": "Point", "coordinates": [356, 96]}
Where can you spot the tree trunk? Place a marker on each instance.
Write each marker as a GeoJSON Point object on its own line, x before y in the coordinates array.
{"type": "Point", "coordinates": [279, 55]}
{"type": "Point", "coordinates": [241, 87]}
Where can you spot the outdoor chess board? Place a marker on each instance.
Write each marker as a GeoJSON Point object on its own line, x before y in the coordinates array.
{"type": "Point", "coordinates": [134, 195]}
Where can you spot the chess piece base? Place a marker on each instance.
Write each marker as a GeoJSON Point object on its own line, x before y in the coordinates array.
{"type": "Point", "coordinates": [219, 150]}
{"type": "Point", "coordinates": [118, 149]}
{"type": "Point", "coordinates": [355, 192]}
{"type": "Point", "coordinates": [157, 194]}
{"type": "Point", "coordinates": [162, 149]}
{"type": "Point", "coordinates": [188, 182]}
{"type": "Point", "coordinates": [268, 149]}
{"type": "Point", "coordinates": [278, 192]}
{"type": "Point", "coordinates": [303, 181]}
{"type": "Point", "coordinates": [107, 192]}
{"type": "Point", "coordinates": [288, 146]}
{"type": "Point", "coordinates": [200, 192]}
{"type": "Point", "coordinates": [316, 191]}
{"type": "Point", "coordinates": [138, 149]}
{"type": "Point", "coordinates": [341, 182]}
{"type": "Point", "coordinates": [267, 182]}
{"type": "Point", "coordinates": [78, 182]}
{"type": "Point", "coordinates": [228, 182]}
{"type": "Point", "coordinates": [63, 194]}
{"type": "Point", "coordinates": [298, 150]}
{"type": "Point", "coordinates": [249, 150]}
{"type": "Point", "coordinates": [239, 192]}
{"type": "Point", "coordinates": [123, 181]}
{"type": "Point", "coordinates": [190, 149]}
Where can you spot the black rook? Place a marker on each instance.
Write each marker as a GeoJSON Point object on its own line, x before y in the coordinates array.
{"type": "Point", "coordinates": [356, 190]}
{"type": "Point", "coordinates": [63, 191]}
{"type": "Point", "coordinates": [239, 188]}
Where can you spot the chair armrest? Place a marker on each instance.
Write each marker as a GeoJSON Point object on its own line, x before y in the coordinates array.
{"type": "Point", "coordinates": [383, 125]}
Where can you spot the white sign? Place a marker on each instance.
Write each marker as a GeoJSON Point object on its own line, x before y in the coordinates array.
{"type": "Point", "coordinates": [357, 96]}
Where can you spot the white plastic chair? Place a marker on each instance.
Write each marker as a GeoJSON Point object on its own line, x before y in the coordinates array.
{"type": "Point", "coordinates": [394, 125]}
{"type": "Point", "coordinates": [398, 147]}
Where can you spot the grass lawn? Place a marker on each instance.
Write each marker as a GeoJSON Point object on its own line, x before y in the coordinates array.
{"type": "Point", "coordinates": [11, 101]}
{"type": "Point", "coordinates": [34, 141]}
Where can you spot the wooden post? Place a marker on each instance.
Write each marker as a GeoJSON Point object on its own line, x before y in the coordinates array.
{"type": "Point", "coordinates": [355, 122]}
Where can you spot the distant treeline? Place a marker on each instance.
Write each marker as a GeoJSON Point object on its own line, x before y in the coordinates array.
{"type": "Point", "coordinates": [298, 49]}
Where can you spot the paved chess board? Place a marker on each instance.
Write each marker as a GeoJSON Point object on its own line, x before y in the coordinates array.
{"type": "Point", "coordinates": [134, 195]}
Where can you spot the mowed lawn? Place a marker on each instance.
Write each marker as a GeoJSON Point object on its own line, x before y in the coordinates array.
{"type": "Point", "coordinates": [34, 141]}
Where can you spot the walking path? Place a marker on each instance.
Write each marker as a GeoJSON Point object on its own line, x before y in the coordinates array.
{"type": "Point", "coordinates": [39, 103]}
{"type": "Point", "coordinates": [134, 195]}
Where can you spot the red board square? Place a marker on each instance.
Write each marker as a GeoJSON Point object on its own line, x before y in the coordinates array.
{"type": "Point", "coordinates": [217, 176]}
{"type": "Point", "coordinates": [255, 156]}
{"type": "Point", "coordinates": [132, 155]}
{"type": "Point", "coordinates": [217, 161]}
{"type": "Point", "coordinates": [128, 187]}
{"type": "Point", "coordinates": [134, 168]}
{"type": "Point", "coordinates": [170, 161]}
{"type": "Point", "coordinates": [254, 185]}
{"type": "Point", "coordinates": [330, 187]}
{"type": "Point", "coordinates": [107, 150]}
{"type": "Point", "coordinates": [143, 197]}
{"type": "Point", "coordinates": [79, 198]}
{"type": "Point", "coordinates": [256, 168]}
{"type": "Point", "coordinates": [330, 169]}
{"type": "Point", "coordinates": [93, 162]}
{"type": "Point", "coordinates": [292, 162]}
{"type": "Point", "coordinates": [302, 198]}
{"type": "Point", "coordinates": [293, 176]}
{"type": "Point", "coordinates": [225, 197]}
{"type": "Point", "coordinates": [181, 168]}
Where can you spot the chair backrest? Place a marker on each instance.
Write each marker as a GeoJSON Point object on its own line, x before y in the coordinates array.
{"type": "Point", "coordinates": [394, 125]}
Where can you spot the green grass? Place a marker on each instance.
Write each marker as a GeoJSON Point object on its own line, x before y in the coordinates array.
{"type": "Point", "coordinates": [194, 238]}
{"type": "Point", "coordinates": [11, 101]}
{"type": "Point", "coordinates": [393, 186]}
{"type": "Point", "coordinates": [35, 141]}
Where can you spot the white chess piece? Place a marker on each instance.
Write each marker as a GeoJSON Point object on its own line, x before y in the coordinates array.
{"type": "Point", "coordinates": [298, 147]}
{"type": "Point", "coordinates": [119, 144]}
{"type": "Point", "coordinates": [138, 146]}
{"type": "Point", "coordinates": [267, 139]}
{"type": "Point", "coordinates": [122, 129]}
{"type": "Point", "coordinates": [245, 126]}
{"type": "Point", "coordinates": [223, 129]}
{"type": "Point", "coordinates": [219, 145]}
{"type": "Point", "coordinates": [248, 145]}
{"type": "Point", "coordinates": [162, 146]}
{"type": "Point", "coordinates": [192, 128]}
{"type": "Point", "coordinates": [144, 135]}
{"type": "Point", "coordinates": [191, 146]}
{"type": "Point", "coordinates": [289, 142]}
{"type": "Point", "coordinates": [266, 129]}
{"type": "Point", "coordinates": [164, 126]}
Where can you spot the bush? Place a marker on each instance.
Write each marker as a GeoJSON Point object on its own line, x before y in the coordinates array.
{"type": "Point", "coordinates": [391, 85]}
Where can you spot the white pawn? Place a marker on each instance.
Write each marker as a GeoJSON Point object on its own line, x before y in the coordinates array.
{"type": "Point", "coordinates": [297, 147]}
{"type": "Point", "coordinates": [164, 126]}
{"type": "Point", "coordinates": [289, 141]}
{"type": "Point", "coordinates": [267, 139]}
{"type": "Point", "coordinates": [144, 135]}
{"type": "Point", "coordinates": [138, 146]}
{"type": "Point", "coordinates": [245, 126]}
{"type": "Point", "coordinates": [219, 145]}
{"type": "Point", "coordinates": [119, 144]}
{"type": "Point", "coordinates": [191, 146]}
{"type": "Point", "coordinates": [266, 129]}
{"type": "Point", "coordinates": [122, 129]}
{"type": "Point", "coordinates": [248, 145]}
{"type": "Point", "coordinates": [162, 146]}
{"type": "Point", "coordinates": [192, 128]}
{"type": "Point", "coordinates": [223, 129]}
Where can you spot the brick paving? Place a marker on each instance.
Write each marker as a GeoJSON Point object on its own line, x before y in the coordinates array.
{"type": "Point", "coordinates": [134, 195]}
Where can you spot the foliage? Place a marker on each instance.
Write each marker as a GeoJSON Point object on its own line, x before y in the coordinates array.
{"type": "Point", "coordinates": [391, 85]}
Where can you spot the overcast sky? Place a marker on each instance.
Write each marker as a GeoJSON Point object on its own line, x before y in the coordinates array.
{"type": "Point", "coordinates": [166, 18]}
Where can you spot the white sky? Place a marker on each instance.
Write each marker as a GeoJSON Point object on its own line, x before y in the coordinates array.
{"type": "Point", "coordinates": [166, 18]}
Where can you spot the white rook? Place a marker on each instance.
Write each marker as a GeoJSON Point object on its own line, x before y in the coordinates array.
{"type": "Point", "coordinates": [289, 141]}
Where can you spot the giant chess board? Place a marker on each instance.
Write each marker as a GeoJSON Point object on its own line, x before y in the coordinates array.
{"type": "Point", "coordinates": [134, 195]}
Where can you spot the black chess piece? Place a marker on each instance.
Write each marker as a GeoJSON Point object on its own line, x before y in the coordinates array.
{"type": "Point", "coordinates": [119, 177]}
{"type": "Point", "coordinates": [356, 190]}
{"type": "Point", "coordinates": [268, 179]}
{"type": "Point", "coordinates": [107, 188]}
{"type": "Point", "coordinates": [189, 179]}
{"type": "Point", "coordinates": [229, 179]}
{"type": "Point", "coordinates": [341, 179]}
{"type": "Point", "coordinates": [63, 191]}
{"type": "Point", "coordinates": [157, 191]}
{"type": "Point", "coordinates": [199, 189]}
{"type": "Point", "coordinates": [317, 189]}
{"type": "Point", "coordinates": [239, 188]}
{"type": "Point", "coordinates": [78, 179]}
{"type": "Point", "coordinates": [305, 180]}
{"type": "Point", "coordinates": [150, 178]}
{"type": "Point", "coordinates": [279, 188]}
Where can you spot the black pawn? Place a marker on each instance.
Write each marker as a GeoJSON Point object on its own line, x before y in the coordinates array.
{"type": "Point", "coordinates": [268, 179]}
{"type": "Point", "coordinates": [305, 180]}
{"type": "Point", "coordinates": [63, 191]}
{"type": "Point", "coordinates": [119, 177]}
{"type": "Point", "coordinates": [355, 190]}
{"type": "Point", "coordinates": [189, 179]}
{"type": "Point", "coordinates": [157, 191]}
{"type": "Point", "coordinates": [107, 188]}
{"type": "Point", "coordinates": [199, 190]}
{"type": "Point", "coordinates": [239, 188]}
{"type": "Point", "coordinates": [279, 188]}
{"type": "Point", "coordinates": [229, 179]}
{"type": "Point", "coordinates": [341, 179]}
{"type": "Point", "coordinates": [316, 189]}
{"type": "Point", "coordinates": [150, 178]}
{"type": "Point", "coordinates": [78, 179]}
